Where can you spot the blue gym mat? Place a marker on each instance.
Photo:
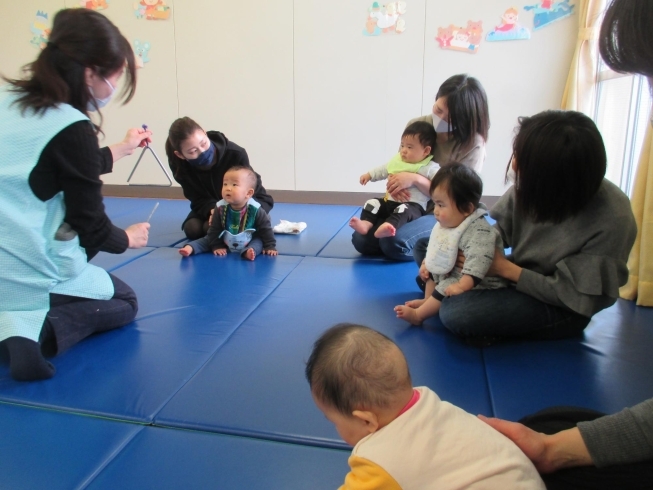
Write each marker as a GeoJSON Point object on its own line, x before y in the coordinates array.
{"type": "Point", "coordinates": [165, 223]}
{"type": "Point", "coordinates": [254, 385]}
{"type": "Point", "coordinates": [166, 458]}
{"type": "Point", "coordinates": [340, 247]}
{"type": "Point", "coordinates": [110, 262]}
{"type": "Point", "coordinates": [187, 309]}
{"type": "Point", "coordinates": [322, 223]}
{"type": "Point", "coordinates": [606, 370]}
{"type": "Point", "coordinates": [219, 346]}
{"type": "Point", "coordinates": [44, 449]}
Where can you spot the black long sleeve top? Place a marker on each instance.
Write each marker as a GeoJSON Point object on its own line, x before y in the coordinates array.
{"type": "Point", "coordinates": [203, 188]}
{"type": "Point", "coordinates": [72, 162]}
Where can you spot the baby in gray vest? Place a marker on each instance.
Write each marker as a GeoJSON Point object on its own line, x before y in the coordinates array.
{"type": "Point", "coordinates": [456, 191]}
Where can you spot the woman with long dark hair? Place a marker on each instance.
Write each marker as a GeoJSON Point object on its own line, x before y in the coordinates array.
{"type": "Point", "coordinates": [52, 218]}
{"type": "Point", "coordinates": [613, 451]}
{"type": "Point", "coordinates": [461, 120]}
{"type": "Point", "coordinates": [198, 160]}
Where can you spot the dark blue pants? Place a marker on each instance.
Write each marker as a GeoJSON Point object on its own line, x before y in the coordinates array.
{"type": "Point", "coordinates": [72, 319]}
{"type": "Point", "coordinates": [504, 313]}
{"type": "Point", "coordinates": [398, 247]}
{"type": "Point", "coordinates": [508, 314]}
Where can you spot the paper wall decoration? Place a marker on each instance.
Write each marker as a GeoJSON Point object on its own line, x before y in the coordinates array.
{"type": "Point", "coordinates": [548, 11]}
{"type": "Point", "coordinates": [382, 19]}
{"type": "Point", "coordinates": [152, 10]}
{"type": "Point", "coordinates": [465, 39]}
{"type": "Point", "coordinates": [142, 50]}
{"type": "Point", "coordinates": [509, 29]}
{"type": "Point", "coordinates": [40, 30]}
{"type": "Point", "coordinates": [94, 4]}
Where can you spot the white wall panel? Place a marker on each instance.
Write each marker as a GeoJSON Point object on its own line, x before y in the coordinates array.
{"type": "Point", "coordinates": [16, 21]}
{"type": "Point", "coordinates": [353, 94]}
{"type": "Point", "coordinates": [521, 78]}
{"type": "Point", "coordinates": [155, 102]}
{"type": "Point", "coordinates": [234, 66]}
{"type": "Point", "coordinates": [314, 101]}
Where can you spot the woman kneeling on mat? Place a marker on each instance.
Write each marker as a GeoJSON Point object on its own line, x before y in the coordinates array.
{"type": "Point", "coordinates": [570, 231]}
{"type": "Point", "coordinates": [51, 212]}
{"type": "Point", "coordinates": [461, 120]}
{"type": "Point", "coordinates": [198, 161]}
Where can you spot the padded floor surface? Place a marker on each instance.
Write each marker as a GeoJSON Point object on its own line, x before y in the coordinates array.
{"type": "Point", "coordinates": [187, 309]}
{"type": "Point", "coordinates": [261, 366]}
{"type": "Point", "coordinates": [110, 262]}
{"type": "Point", "coordinates": [219, 346]}
{"type": "Point", "coordinates": [165, 229]}
{"type": "Point", "coordinates": [322, 223]}
{"type": "Point", "coordinates": [166, 458]}
{"type": "Point", "coordinates": [606, 370]}
{"type": "Point", "coordinates": [41, 449]}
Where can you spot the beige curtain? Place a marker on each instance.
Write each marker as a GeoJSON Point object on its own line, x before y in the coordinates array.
{"type": "Point", "coordinates": [640, 262]}
{"type": "Point", "coordinates": [581, 84]}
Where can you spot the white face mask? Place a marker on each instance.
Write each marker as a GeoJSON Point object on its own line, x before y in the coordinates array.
{"type": "Point", "coordinates": [511, 175]}
{"type": "Point", "coordinates": [100, 102]}
{"type": "Point", "coordinates": [440, 125]}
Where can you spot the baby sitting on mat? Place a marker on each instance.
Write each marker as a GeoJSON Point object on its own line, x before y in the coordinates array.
{"type": "Point", "coordinates": [385, 215]}
{"type": "Point", "coordinates": [404, 437]}
{"type": "Point", "coordinates": [456, 191]}
{"type": "Point", "coordinates": [239, 223]}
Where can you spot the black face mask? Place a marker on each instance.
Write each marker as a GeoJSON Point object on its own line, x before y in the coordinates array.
{"type": "Point", "coordinates": [206, 157]}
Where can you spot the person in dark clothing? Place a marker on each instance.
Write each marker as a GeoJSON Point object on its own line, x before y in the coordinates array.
{"type": "Point", "coordinates": [52, 218]}
{"type": "Point", "coordinates": [198, 161]}
{"type": "Point", "coordinates": [579, 448]}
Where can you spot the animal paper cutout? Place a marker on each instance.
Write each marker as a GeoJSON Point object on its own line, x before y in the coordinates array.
{"type": "Point", "coordinates": [141, 50]}
{"type": "Point", "coordinates": [465, 39]}
{"type": "Point", "coordinates": [152, 10]}
{"type": "Point", "coordinates": [95, 4]}
{"type": "Point", "coordinates": [509, 29]}
{"type": "Point", "coordinates": [383, 19]}
{"type": "Point", "coordinates": [40, 30]}
{"type": "Point", "coordinates": [549, 11]}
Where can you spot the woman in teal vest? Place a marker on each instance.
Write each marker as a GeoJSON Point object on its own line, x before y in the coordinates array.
{"type": "Point", "coordinates": [52, 218]}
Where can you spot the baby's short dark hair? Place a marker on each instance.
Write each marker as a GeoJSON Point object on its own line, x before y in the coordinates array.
{"type": "Point", "coordinates": [251, 175]}
{"type": "Point", "coordinates": [463, 184]}
{"type": "Point", "coordinates": [424, 131]}
{"type": "Point", "coordinates": [353, 367]}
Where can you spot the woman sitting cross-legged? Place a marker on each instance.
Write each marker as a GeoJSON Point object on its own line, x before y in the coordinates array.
{"type": "Point", "coordinates": [570, 231]}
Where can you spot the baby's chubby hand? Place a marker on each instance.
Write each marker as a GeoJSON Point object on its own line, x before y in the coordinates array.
{"type": "Point", "coordinates": [424, 273]}
{"type": "Point", "coordinates": [453, 290]}
{"type": "Point", "coordinates": [186, 250]}
{"type": "Point", "coordinates": [273, 253]}
{"type": "Point", "coordinates": [365, 178]}
{"type": "Point", "coordinates": [220, 252]}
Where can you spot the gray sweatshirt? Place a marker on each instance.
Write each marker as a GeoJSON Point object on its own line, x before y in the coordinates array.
{"type": "Point", "coordinates": [625, 437]}
{"type": "Point", "coordinates": [578, 264]}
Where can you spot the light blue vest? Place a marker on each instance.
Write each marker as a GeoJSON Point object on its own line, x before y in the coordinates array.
{"type": "Point", "coordinates": [32, 262]}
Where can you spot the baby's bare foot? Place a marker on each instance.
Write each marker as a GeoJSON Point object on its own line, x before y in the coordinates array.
{"type": "Point", "coordinates": [360, 225]}
{"type": "Point", "coordinates": [415, 303]}
{"type": "Point", "coordinates": [249, 254]}
{"type": "Point", "coordinates": [407, 313]}
{"type": "Point", "coordinates": [385, 230]}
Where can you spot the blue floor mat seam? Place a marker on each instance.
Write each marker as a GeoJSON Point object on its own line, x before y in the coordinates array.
{"type": "Point", "coordinates": [264, 436]}
{"type": "Point", "coordinates": [487, 383]}
{"type": "Point", "coordinates": [82, 413]}
{"type": "Point", "coordinates": [132, 260]}
{"type": "Point", "coordinates": [108, 461]}
{"type": "Point", "coordinates": [220, 345]}
{"type": "Point", "coordinates": [346, 223]}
